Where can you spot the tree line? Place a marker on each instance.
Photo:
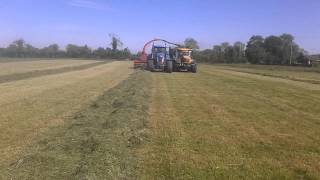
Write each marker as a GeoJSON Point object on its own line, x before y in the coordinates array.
{"type": "Point", "coordinates": [276, 50]}
{"type": "Point", "coordinates": [21, 49]}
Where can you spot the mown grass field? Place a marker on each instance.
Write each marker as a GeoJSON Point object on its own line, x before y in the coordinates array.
{"type": "Point", "coordinates": [111, 122]}
{"type": "Point", "coordinates": [9, 66]}
{"type": "Point", "coordinates": [32, 106]}
{"type": "Point", "coordinates": [303, 74]}
{"type": "Point", "coordinates": [228, 125]}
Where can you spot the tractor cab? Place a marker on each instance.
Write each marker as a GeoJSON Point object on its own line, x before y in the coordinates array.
{"type": "Point", "coordinates": [160, 53]}
{"type": "Point", "coordinates": [184, 55]}
{"type": "Point", "coordinates": [184, 60]}
{"type": "Point", "coordinates": [159, 59]}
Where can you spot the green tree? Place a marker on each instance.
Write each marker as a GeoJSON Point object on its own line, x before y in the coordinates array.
{"type": "Point", "coordinates": [218, 54]}
{"type": "Point", "coordinates": [11, 51]}
{"type": "Point", "coordinates": [191, 43]}
{"type": "Point", "coordinates": [126, 52]}
{"type": "Point", "coordinates": [274, 49]}
{"type": "Point", "coordinates": [239, 52]}
{"type": "Point", "coordinates": [290, 49]}
{"type": "Point", "coordinates": [115, 42]}
{"type": "Point", "coordinates": [99, 53]}
{"type": "Point", "coordinates": [86, 52]}
{"type": "Point", "coordinates": [226, 52]}
{"type": "Point", "coordinates": [19, 46]}
{"type": "Point", "coordinates": [206, 56]}
{"type": "Point", "coordinates": [75, 51]}
{"type": "Point", "coordinates": [31, 51]}
{"type": "Point", "coordinates": [255, 51]}
{"type": "Point", "coordinates": [52, 51]}
{"type": "Point", "coordinates": [229, 54]}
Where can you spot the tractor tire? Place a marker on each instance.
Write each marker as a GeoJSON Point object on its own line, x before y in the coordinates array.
{"type": "Point", "coordinates": [194, 68]}
{"type": "Point", "coordinates": [169, 66]}
{"type": "Point", "coordinates": [150, 65]}
{"type": "Point", "coordinates": [175, 68]}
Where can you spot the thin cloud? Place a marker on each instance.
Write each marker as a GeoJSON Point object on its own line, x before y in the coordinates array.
{"type": "Point", "coordinates": [89, 4]}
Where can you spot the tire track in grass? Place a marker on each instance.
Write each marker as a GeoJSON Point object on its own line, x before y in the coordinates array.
{"type": "Point", "coordinates": [178, 112]}
{"type": "Point", "coordinates": [166, 134]}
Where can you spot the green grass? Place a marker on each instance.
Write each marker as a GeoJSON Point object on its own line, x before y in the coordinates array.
{"type": "Point", "coordinates": [303, 74]}
{"type": "Point", "coordinates": [216, 124]}
{"type": "Point", "coordinates": [4, 59]}
{"type": "Point", "coordinates": [32, 65]}
{"type": "Point", "coordinates": [97, 143]}
{"type": "Point", "coordinates": [220, 123]}
{"type": "Point", "coordinates": [33, 106]}
{"type": "Point", "coordinates": [39, 72]}
{"type": "Point", "coordinates": [272, 67]}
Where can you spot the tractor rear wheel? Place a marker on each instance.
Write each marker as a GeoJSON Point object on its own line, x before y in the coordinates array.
{"type": "Point", "coordinates": [169, 66]}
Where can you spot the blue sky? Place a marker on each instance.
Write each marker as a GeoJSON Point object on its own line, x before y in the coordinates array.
{"type": "Point", "coordinates": [42, 22]}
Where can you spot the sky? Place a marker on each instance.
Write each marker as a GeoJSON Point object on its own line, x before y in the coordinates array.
{"type": "Point", "coordinates": [210, 22]}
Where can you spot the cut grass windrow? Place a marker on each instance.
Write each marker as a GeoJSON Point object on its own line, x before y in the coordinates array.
{"type": "Point", "coordinates": [38, 73]}
{"type": "Point", "coordinates": [97, 143]}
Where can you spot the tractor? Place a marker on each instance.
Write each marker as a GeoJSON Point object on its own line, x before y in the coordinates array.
{"type": "Point", "coordinates": [183, 60]}
{"type": "Point", "coordinates": [159, 59]}
{"type": "Point", "coordinates": [142, 61]}
{"type": "Point", "coordinates": [166, 58]}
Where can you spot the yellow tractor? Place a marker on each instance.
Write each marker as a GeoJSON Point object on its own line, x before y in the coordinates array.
{"type": "Point", "coordinates": [183, 60]}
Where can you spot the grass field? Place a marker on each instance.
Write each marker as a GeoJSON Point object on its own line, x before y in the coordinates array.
{"type": "Point", "coordinates": [229, 125]}
{"type": "Point", "coordinates": [30, 107]}
{"type": "Point", "coordinates": [8, 67]}
{"type": "Point", "coordinates": [303, 74]}
{"type": "Point", "coordinates": [109, 122]}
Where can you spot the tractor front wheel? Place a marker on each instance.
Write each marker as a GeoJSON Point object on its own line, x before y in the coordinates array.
{"type": "Point", "coordinates": [150, 65]}
{"type": "Point", "coordinates": [169, 66]}
{"type": "Point", "coordinates": [194, 68]}
{"type": "Point", "coordinates": [175, 67]}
